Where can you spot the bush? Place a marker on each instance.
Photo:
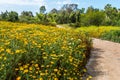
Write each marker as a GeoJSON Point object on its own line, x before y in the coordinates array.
{"type": "Point", "coordinates": [49, 23]}
{"type": "Point", "coordinates": [75, 25]}
{"type": "Point", "coordinates": [113, 35]}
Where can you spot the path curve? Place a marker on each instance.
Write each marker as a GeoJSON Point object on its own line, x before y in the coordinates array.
{"type": "Point", "coordinates": [104, 63]}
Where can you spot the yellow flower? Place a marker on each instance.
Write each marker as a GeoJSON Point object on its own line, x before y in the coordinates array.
{"type": "Point", "coordinates": [17, 51]}
{"type": "Point", "coordinates": [84, 70]}
{"type": "Point", "coordinates": [52, 62]}
{"type": "Point", "coordinates": [1, 49]}
{"type": "Point", "coordinates": [71, 59]}
{"type": "Point", "coordinates": [5, 58]}
{"type": "Point", "coordinates": [0, 57]}
{"type": "Point", "coordinates": [55, 78]}
{"type": "Point", "coordinates": [71, 78]}
{"type": "Point", "coordinates": [36, 72]}
{"type": "Point", "coordinates": [65, 70]}
{"type": "Point", "coordinates": [34, 77]}
{"type": "Point", "coordinates": [42, 65]}
{"type": "Point", "coordinates": [55, 70]}
{"type": "Point", "coordinates": [25, 66]}
{"type": "Point", "coordinates": [30, 68]}
{"type": "Point", "coordinates": [18, 78]}
{"type": "Point", "coordinates": [37, 68]}
{"type": "Point", "coordinates": [3, 65]}
{"type": "Point", "coordinates": [44, 57]}
{"type": "Point", "coordinates": [59, 73]}
{"type": "Point", "coordinates": [26, 70]}
{"type": "Point", "coordinates": [21, 68]}
{"type": "Point", "coordinates": [7, 43]}
{"type": "Point", "coordinates": [19, 64]}
{"type": "Point", "coordinates": [53, 55]}
{"type": "Point", "coordinates": [40, 79]}
{"type": "Point", "coordinates": [2, 54]}
{"type": "Point", "coordinates": [89, 78]}
{"type": "Point", "coordinates": [25, 42]}
{"type": "Point", "coordinates": [16, 69]}
{"type": "Point", "coordinates": [48, 66]}
{"type": "Point", "coordinates": [36, 65]}
{"type": "Point", "coordinates": [8, 50]}
{"type": "Point", "coordinates": [42, 74]}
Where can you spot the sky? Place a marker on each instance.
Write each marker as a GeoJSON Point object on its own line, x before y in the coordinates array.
{"type": "Point", "coordinates": [34, 5]}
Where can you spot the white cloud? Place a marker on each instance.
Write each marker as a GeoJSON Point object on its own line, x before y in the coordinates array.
{"type": "Point", "coordinates": [67, 2]}
{"type": "Point", "coordinates": [64, 2]}
{"type": "Point", "coordinates": [23, 2]}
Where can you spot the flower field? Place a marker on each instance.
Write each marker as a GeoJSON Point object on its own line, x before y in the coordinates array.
{"type": "Point", "coordinates": [38, 52]}
{"type": "Point", "coordinates": [97, 32]}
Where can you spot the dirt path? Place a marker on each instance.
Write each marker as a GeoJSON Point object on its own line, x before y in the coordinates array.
{"type": "Point", "coordinates": [104, 63]}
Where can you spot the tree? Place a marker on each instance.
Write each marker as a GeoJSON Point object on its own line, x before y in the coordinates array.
{"type": "Point", "coordinates": [67, 13]}
{"type": "Point", "coordinates": [27, 16]}
{"type": "Point", "coordinates": [69, 7]}
{"type": "Point", "coordinates": [42, 9]}
{"type": "Point", "coordinates": [40, 17]}
{"type": "Point", "coordinates": [93, 18]}
{"type": "Point", "coordinates": [72, 17]}
{"type": "Point", "coordinates": [97, 18]}
{"type": "Point", "coordinates": [4, 15]}
{"type": "Point", "coordinates": [82, 10]}
{"type": "Point", "coordinates": [13, 16]}
{"type": "Point", "coordinates": [75, 18]}
{"type": "Point", "coordinates": [90, 9]}
{"type": "Point", "coordinates": [54, 10]}
{"type": "Point", "coordinates": [111, 14]}
{"type": "Point", "coordinates": [27, 13]}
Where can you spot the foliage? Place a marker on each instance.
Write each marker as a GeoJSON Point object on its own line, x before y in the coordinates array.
{"type": "Point", "coordinates": [4, 16]}
{"type": "Point", "coordinates": [112, 14]}
{"type": "Point", "coordinates": [13, 16]}
{"type": "Point", "coordinates": [97, 32]}
{"type": "Point", "coordinates": [38, 52]}
{"type": "Point", "coordinates": [27, 17]}
{"type": "Point", "coordinates": [69, 7]}
{"type": "Point", "coordinates": [68, 14]}
{"type": "Point", "coordinates": [42, 9]}
{"type": "Point", "coordinates": [113, 35]}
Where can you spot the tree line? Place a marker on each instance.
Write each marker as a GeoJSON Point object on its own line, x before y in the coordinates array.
{"type": "Point", "coordinates": [68, 14]}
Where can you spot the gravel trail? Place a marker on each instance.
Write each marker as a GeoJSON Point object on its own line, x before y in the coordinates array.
{"type": "Point", "coordinates": [104, 63]}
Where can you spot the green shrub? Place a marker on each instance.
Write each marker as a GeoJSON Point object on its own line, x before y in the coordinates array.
{"type": "Point", "coordinates": [113, 35]}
